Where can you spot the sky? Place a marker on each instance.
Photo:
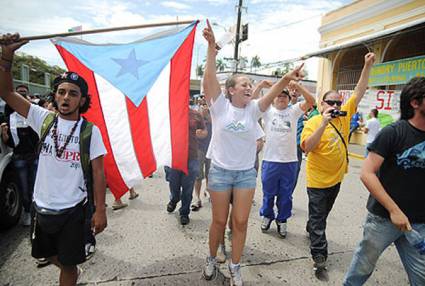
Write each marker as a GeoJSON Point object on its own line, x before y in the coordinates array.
{"type": "Point", "coordinates": [278, 29]}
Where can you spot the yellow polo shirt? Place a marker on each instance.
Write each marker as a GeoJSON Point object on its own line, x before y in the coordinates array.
{"type": "Point", "coordinates": [326, 164]}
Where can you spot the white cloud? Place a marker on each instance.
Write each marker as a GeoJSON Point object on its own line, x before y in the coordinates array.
{"type": "Point", "coordinates": [278, 30]}
{"type": "Point", "coordinates": [175, 5]}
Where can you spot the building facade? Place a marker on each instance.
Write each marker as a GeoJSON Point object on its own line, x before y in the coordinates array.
{"type": "Point", "coordinates": [394, 30]}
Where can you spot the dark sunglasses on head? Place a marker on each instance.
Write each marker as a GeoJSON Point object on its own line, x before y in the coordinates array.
{"type": "Point", "coordinates": [333, 102]}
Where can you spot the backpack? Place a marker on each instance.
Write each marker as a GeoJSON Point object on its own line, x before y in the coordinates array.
{"type": "Point", "coordinates": [85, 138]}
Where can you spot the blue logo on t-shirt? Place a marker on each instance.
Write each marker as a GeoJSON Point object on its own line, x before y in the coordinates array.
{"type": "Point", "coordinates": [414, 157]}
{"type": "Point", "coordinates": [236, 127]}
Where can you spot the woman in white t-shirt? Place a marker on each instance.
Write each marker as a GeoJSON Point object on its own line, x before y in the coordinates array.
{"type": "Point", "coordinates": [232, 152]}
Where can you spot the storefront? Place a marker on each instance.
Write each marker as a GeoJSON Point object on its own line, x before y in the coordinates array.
{"type": "Point", "coordinates": [394, 30]}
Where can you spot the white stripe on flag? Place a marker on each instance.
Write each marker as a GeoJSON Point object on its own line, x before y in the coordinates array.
{"type": "Point", "coordinates": [158, 101]}
{"type": "Point", "coordinates": [118, 127]}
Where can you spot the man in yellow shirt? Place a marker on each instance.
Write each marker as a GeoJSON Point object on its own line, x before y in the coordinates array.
{"type": "Point", "coordinates": [325, 139]}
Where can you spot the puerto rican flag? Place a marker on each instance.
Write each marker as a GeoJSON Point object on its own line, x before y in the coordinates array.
{"type": "Point", "coordinates": [140, 101]}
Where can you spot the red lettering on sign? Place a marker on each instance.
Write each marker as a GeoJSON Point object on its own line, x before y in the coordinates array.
{"type": "Point", "coordinates": [381, 100]}
{"type": "Point", "coordinates": [390, 94]}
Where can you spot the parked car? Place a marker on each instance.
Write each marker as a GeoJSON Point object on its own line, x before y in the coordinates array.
{"type": "Point", "coordinates": [10, 195]}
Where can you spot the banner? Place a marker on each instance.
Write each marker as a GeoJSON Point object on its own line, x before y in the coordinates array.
{"type": "Point", "coordinates": [397, 72]}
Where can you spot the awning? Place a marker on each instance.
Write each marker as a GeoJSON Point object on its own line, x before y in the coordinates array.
{"type": "Point", "coordinates": [364, 39]}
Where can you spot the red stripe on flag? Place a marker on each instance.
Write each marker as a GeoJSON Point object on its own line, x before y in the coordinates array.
{"type": "Point", "coordinates": [113, 177]}
{"type": "Point", "coordinates": [140, 132]}
{"type": "Point", "coordinates": [179, 102]}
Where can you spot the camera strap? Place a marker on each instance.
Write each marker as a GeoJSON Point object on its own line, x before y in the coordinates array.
{"type": "Point", "coordinates": [343, 141]}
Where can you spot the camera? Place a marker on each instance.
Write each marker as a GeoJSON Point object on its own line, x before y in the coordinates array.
{"type": "Point", "coordinates": [337, 113]}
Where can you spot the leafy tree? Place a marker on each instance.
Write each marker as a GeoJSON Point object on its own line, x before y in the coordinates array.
{"type": "Point", "coordinates": [36, 66]}
{"type": "Point", "coordinates": [255, 62]}
{"type": "Point", "coordinates": [242, 62]}
{"type": "Point", "coordinates": [220, 64]}
{"type": "Point", "coordinates": [200, 70]}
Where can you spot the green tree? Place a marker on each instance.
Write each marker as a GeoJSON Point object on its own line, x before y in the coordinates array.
{"type": "Point", "coordinates": [220, 64]}
{"type": "Point", "coordinates": [242, 62]}
{"type": "Point", "coordinates": [283, 70]}
{"type": "Point", "coordinates": [36, 66]}
{"type": "Point", "coordinates": [255, 62]}
{"type": "Point", "coordinates": [200, 70]}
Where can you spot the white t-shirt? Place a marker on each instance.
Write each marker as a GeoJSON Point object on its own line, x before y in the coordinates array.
{"type": "Point", "coordinates": [281, 133]}
{"type": "Point", "coordinates": [60, 181]}
{"type": "Point", "coordinates": [373, 127]}
{"type": "Point", "coordinates": [234, 134]}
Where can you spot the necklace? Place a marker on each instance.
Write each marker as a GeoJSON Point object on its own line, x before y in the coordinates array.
{"type": "Point", "coordinates": [59, 151]}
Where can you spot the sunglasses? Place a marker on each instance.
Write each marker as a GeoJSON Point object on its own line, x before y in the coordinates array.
{"type": "Point", "coordinates": [333, 102]}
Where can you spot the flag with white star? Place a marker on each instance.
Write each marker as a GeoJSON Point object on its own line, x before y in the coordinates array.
{"type": "Point", "coordinates": [140, 98]}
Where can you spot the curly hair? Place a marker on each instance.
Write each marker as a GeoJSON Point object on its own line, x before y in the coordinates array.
{"type": "Point", "coordinates": [414, 90]}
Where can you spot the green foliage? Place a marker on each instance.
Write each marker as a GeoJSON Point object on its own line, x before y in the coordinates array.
{"type": "Point", "coordinates": [220, 64]}
{"type": "Point", "coordinates": [36, 66]}
{"type": "Point", "coordinates": [200, 70]}
{"type": "Point", "coordinates": [255, 62]}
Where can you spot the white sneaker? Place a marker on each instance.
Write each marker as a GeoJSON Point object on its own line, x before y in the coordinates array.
{"type": "Point", "coordinates": [26, 219]}
{"type": "Point", "coordinates": [90, 250]}
{"type": "Point", "coordinates": [210, 269]}
{"type": "Point", "coordinates": [235, 275]}
{"type": "Point", "coordinates": [221, 253]}
{"type": "Point", "coordinates": [265, 224]}
{"type": "Point", "coordinates": [281, 229]}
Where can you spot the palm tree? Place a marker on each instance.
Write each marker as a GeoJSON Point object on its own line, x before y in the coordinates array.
{"type": "Point", "coordinates": [200, 70]}
{"type": "Point", "coordinates": [220, 64]}
{"type": "Point", "coordinates": [255, 62]}
{"type": "Point", "coordinates": [242, 62]}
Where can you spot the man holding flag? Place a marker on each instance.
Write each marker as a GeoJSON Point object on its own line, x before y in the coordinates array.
{"type": "Point", "coordinates": [63, 187]}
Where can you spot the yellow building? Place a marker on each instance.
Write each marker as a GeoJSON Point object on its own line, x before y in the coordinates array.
{"type": "Point", "coordinates": [394, 30]}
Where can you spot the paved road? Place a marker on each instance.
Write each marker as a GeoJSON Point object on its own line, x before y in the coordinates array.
{"type": "Point", "coordinates": [144, 245]}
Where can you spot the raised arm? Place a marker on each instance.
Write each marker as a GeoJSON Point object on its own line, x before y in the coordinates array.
{"type": "Point", "coordinates": [361, 86]}
{"type": "Point", "coordinates": [210, 83]}
{"type": "Point", "coordinates": [277, 88]}
{"type": "Point", "coordinates": [257, 89]}
{"type": "Point", "coordinates": [309, 98]}
{"type": "Point", "coordinates": [9, 44]}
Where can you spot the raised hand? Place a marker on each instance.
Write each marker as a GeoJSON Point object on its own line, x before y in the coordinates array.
{"type": "Point", "coordinates": [209, 35]}
{"type": "Point", "coordinates": [265, 83]}
{"type": "Point", "coordinates": [369, 59]}
{"type": "Point", "coordinates": [10, 43]}
{"type": "Point", "coordinates": [295, 74]}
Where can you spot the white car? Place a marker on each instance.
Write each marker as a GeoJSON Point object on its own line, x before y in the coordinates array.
{"type": "Point", "coordinates": [10, 195]}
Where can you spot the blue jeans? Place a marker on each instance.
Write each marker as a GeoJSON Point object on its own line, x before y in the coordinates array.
{"type": "Point", "coordinates": [181, 185]}
{"type": "Point", "coordinates": [278, 182]}
{"type": "Point", "coordinates": [378, 234]}
{"type": "Point", "coordinates": [26, 170]}
{"type": "Point", "coordinates": [223, 180]}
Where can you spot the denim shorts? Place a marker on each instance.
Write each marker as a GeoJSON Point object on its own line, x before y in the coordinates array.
{"type": "Point", "coordinates": [220, 180]}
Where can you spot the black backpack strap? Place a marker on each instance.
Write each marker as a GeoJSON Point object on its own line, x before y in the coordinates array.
{"type": "Point", "coordinates": [343, 141]}
{"type": "Point", "coordinates": [85, 139]}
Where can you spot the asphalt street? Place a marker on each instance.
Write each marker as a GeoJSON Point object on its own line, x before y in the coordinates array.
{"type": "Point", "coordinates": [144, 245]}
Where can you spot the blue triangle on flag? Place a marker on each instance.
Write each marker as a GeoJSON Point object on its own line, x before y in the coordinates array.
{"type": "Point", "coordinates": [132, 68]}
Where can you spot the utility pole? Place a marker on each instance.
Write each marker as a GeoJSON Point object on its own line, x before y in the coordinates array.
{"type": "Point", "coordinates": [238, 28]}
